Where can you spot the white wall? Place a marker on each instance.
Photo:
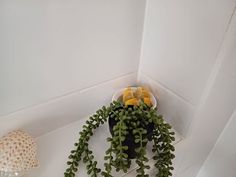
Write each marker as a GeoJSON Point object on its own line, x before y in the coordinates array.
{"type": "Point", "coordinates": [56, 56]}
{"type": "Point", "coordinates": [181, 41]}
{"type": "Point", "coordinates": [188, 60]}
{"type": "Point", "coordinates": [45, 117]}
{"type": "Point", "coordinates": [222, 159]}
{"type": "Point", "coordinates": [50, 48]}
{"type": "Point", "coordinates": [218, 104]}
{"type": "Point", "coordinates": [61, 60]}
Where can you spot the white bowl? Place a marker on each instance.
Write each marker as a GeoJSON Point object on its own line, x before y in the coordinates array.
{"type": "Point", "coordinates": [118, 93]}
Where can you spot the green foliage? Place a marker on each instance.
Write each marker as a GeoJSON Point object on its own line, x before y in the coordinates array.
{"type": "Point", "coordinates": [130, 119]}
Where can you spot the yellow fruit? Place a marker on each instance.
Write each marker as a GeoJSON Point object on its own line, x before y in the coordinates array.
{"type": "Point", "coordinates": [145, 89]}
{"type": "Point", "coordinates": [134, 96]}
{"type": "Point", "coordinates": [133, 102]}
{"type": "Point", "coordinates": [147, 101]}
{"type": "Point", "coordinates": [127, 94]}
{"type": "Point", "coordinates": [145, 93]}
{"type": "Point", "coordinates": [142, 92]}
{"type": "Point", "coordinates": [138, 93]}
{"type": "Point", "coordinates": [128, 89]}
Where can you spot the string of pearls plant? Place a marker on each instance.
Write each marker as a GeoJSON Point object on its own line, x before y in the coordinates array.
{"type": "Point", "coordinates": [130, 119]}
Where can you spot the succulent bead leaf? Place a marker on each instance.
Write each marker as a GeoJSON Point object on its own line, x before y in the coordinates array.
{"type": "Point", "coordinates": [129, 120]}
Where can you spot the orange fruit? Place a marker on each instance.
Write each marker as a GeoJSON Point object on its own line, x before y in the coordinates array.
{"type": "Point", "coordinates": [127, 94]}
{"type": "Point", "coordinates": [134, 96]}
{"type": "Point", "coordinates": [133, 101]}
{"type": "Point", "coordinates": [147, 101]}
{"type": "Point", "coordinates": [145, 92]}
{"type": "Point", "coordinates": [138, 93]}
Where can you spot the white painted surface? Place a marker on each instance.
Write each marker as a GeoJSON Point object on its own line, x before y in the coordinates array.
{"type": "Point", "coordinates": [222, 159]}
{"type": "Point", "coordinates": [54, 149]}
{"type": "Point", "coordinates": [176, 110]}
{"type": "Point", "coordinates": [181, 41]}
{"type": "Point", "coordinates": [217, 105]}
{"type": "Point", "coordinates": [92, 50]}
{"type": "Point", "coordinates": [59, 112]}
{"type": "Point", "coordinates": [188, 60]}
{"type": "Point", "coordinates": [50, 48]}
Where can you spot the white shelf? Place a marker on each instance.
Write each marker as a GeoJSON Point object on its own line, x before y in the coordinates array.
{"type": "Point", "coordinates": [54, 148]}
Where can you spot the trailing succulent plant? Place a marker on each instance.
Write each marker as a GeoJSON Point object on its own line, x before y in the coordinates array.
{"type": "Point", "coordinates": [129, 119]}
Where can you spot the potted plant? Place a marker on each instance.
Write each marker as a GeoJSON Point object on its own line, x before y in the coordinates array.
{"type": "Point", "coordinates": [133, 96]}
{"type": "Point", "coordinates": [133, 120]}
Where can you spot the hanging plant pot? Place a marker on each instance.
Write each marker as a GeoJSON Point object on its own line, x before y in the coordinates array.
{"type": "Point", "coordinates": [130, 139]}
{"type": "Point", "coordinates": [133, 121]}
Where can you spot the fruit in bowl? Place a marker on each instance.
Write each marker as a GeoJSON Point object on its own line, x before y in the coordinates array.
{"type": "Point", "coordinates": [134, 96]}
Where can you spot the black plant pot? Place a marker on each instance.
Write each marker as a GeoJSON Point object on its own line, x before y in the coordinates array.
{"type": "Point", "coordinates": [129, 140]}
